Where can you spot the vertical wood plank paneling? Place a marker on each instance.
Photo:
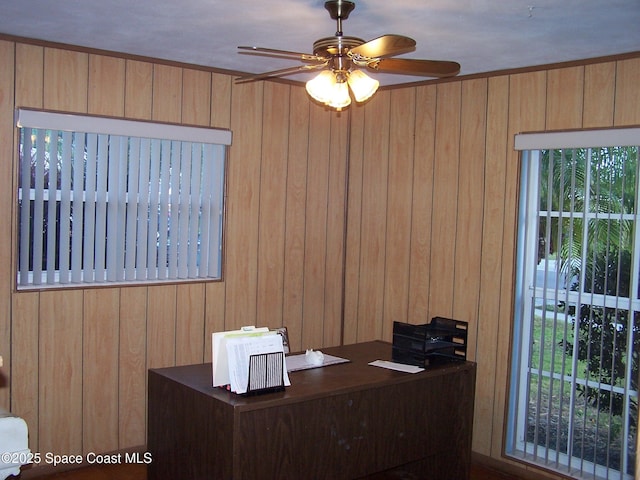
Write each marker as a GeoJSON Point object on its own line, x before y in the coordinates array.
{"type": "Point", "coordinates": [473, 129]}
{"type": "Point", "coordinates": [215, 291]}
{"type": "Point", "coordinates": [374, 216]}
{"type": "Point", "coordinates": [106, 85]}
{"type": "Point", "coordinates": [335, 244]}
{"type": "Point", "coordinates": [190, 308]}
{"type": "Point", "coordinates": [161, 326]}
{"type": "Point", "coordinates": [7, 59]}
{"type": "Point", "coordinates": [491, 259]}
{"type": "Point", "coordinates": [167, 93]}
{"type": "Point", "coordinates": [420, 263]}
{"type": "Point", "coordinates": [296, 181]}
{"type": "Point", "coordinates": [190, 329]}
{"type": "Point", "coordinates": [132, 368]}
{"type": "Point", "coordinates": [243, 177]}
{"type": "Point", "coordinates": [63, 342]}
{"type": "Point", "coordinates": [161, 299]}
{"type": "Point", "coordinates": [29, 76]}
{"type": "Point", "coordinates": [60, 372]}
{"type": "Point", "coordinates": [271, 227]}
{"type": "Point", "coordinates": [527, 95]}
{"type": "Point", "coordinates": [25, 399]}
{"type": "Point", "coordinates": [398, 211]}
{"type": "Point", "coordinates": [564, 105]}
{"type": "Point", "coordinates": [627, 106]}
{"type": "Point", "coordinates": [133, 301]}
{"type": "Point", "coordinates": [106, 96]}
{"type": "Point", "coordinates": [599, 89]}
{"type": "Point", "coordinates": [29, 71]}
{"type": "Point", "coordinates": [445, 199]}
{"type": "Point", "coordinates": [353, 229]}
{"type": "Point", "coordinates": [313, 308]}
{"type": "Point", "coordinates": [196, 97]}
{"type": "Point", "coordinates": [65, 80]}
{"type": "Point", "coordinates": [100, 361]}
{"type": "Point", "coordinates": [221, 100]}
{"type": "Point", "coordinates": [61, 313]}
{"type": "Point", "coordinates": [138, 90]}
{"type": "Point", "coordinates": [213, 314]}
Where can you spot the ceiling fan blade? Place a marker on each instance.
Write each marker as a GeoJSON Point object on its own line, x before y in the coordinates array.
{"type": "Point", "coordinates": [306, 57]}
{"type": "Point", "coordinates": [384, 46]}
{"type": "Point", "coordinates": [279, 73]}
{"type": "Point", "coordinates": [408, 66]}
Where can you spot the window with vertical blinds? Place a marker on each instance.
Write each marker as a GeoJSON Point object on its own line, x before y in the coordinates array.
{"type": "Point", "coordinates": [576, 354]}
{"type": "Point", "coordinates": [108, 201]}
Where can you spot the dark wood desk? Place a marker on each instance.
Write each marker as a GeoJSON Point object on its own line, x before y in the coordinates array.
{"type": "Point", "coordinates": [338, 422]}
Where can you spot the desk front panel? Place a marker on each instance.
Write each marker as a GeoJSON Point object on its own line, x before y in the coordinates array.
{"type": "Point", "coordinates": [338, 422]}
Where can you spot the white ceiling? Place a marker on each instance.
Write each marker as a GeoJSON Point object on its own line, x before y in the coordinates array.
{"type": "Point", "coordinates": [482, 35]}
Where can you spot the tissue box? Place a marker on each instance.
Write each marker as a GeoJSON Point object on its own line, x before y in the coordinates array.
{"type": "Point", "coordinates": [14, 444]}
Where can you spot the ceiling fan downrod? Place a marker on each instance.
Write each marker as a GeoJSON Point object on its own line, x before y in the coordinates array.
{"type": "Point", "coordinates": [339, 10]}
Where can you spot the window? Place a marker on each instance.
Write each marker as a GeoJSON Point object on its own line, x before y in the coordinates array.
{"type": "Point", "coordinates": [574, 381]}
{"type": "Point", "coordinates": [107, 201]}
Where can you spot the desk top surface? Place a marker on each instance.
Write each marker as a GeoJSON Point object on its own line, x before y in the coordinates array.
{"type": "Point", "coordinates": [354, 375]}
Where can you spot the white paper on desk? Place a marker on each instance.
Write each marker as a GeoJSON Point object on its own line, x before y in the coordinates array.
{"type": "Point", "coordinates": [220, 363]}
{"type": "Point", "coordinates": [400, 367]}
{"type": "Point", "coordinates": [240, 348]}
{"type": "Point", "coordinates": [301, 362]}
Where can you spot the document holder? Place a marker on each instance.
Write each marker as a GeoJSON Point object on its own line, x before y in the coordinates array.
{"type": "Point", "coordinates": [441, 340]}
{"type": "Point", "coordinates": [265, 373]}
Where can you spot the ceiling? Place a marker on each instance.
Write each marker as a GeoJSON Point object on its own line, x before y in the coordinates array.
{"type": "Point", "coordinates": [482, 35]}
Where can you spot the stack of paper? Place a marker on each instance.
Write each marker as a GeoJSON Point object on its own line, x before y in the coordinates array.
{"type": "Point", "coordinates": [231, 353]}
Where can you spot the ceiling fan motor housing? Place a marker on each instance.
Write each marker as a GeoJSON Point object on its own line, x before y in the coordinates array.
{"type": "Point", "coordinates": [339, 9]}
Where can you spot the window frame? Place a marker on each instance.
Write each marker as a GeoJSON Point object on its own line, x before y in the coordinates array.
{"type": "Point", "coordinates": [208, 144]}
{"type": "Point", "coordinates": [526, 289]}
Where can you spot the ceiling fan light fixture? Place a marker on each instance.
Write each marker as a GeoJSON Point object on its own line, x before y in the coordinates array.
{"type": "Point", "coordinates": [340, 97]}
{"type": "Point", "coordinates": [362, 85]}
{"type": "Point", "coordinates": [321, 87]}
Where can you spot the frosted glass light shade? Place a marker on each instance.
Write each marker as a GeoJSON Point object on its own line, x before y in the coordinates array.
{"type": "Point", "coordinates": [362, 85]}
{"type": "Point", "coordinates": [322, 86]}
{"type": "Point", "coordinates": [340, 97]}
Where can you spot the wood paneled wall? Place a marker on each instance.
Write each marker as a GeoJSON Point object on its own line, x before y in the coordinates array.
{"type": "Point", "coordinates": [76, 360]}
{"type": "Point", "coordinates": [433, 192]}
{"type": "Point", "coordinates": [337, 224]}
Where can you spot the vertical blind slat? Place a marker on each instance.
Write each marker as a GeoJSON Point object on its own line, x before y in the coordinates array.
{"type": "Point", "coordinates": [101, 208]}
{"type": "Point", "coordinates": [65, 208]}
{"type": "Point", "coordinates": [112, 208]}
{"type": "Point", "coordinates": [165, 203]}
{"type": "Point", "coordinates": [25, 207]}
{"type": "Point", "coordinates": [216, 200]}
{"type": "Point", "coordinates": [143, 212]}
{"type": "Point", "coordinates": [38, 208]}
{"type": "Point", "coordinates": [184, 199]}
{"type": "Point", "coordinates": [121, 209]}
{"type": "Point", "coordinates": [77, 158]}
{"type": "Point", "coordinates": [51, 187]}
{"type": "Point", "coordinates": [90, 208]}
{"type": "Point", "coordinates": [194, 209]}
{"type": "Point", "coordinates": [174, 210]}
{"type": "Point", "coordinates": [153, 244]}
{"type": "Point", "coordinates": [131, 238]}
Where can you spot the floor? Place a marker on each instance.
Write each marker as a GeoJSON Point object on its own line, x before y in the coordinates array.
{"type": "Point", "coordinates": [139, 472]}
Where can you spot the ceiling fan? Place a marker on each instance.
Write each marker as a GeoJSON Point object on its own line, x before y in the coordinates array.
{"type": "Point", "coordinates": [342, 58]}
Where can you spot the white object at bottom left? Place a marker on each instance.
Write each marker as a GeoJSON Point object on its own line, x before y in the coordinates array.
{"type": "Point", "coordinates": [14, 444]}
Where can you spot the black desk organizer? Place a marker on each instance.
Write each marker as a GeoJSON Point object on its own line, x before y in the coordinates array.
{"type": "Point", "coordinates": [265, 373]}
{"type": "Point", "coordinates": [441, 340]}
